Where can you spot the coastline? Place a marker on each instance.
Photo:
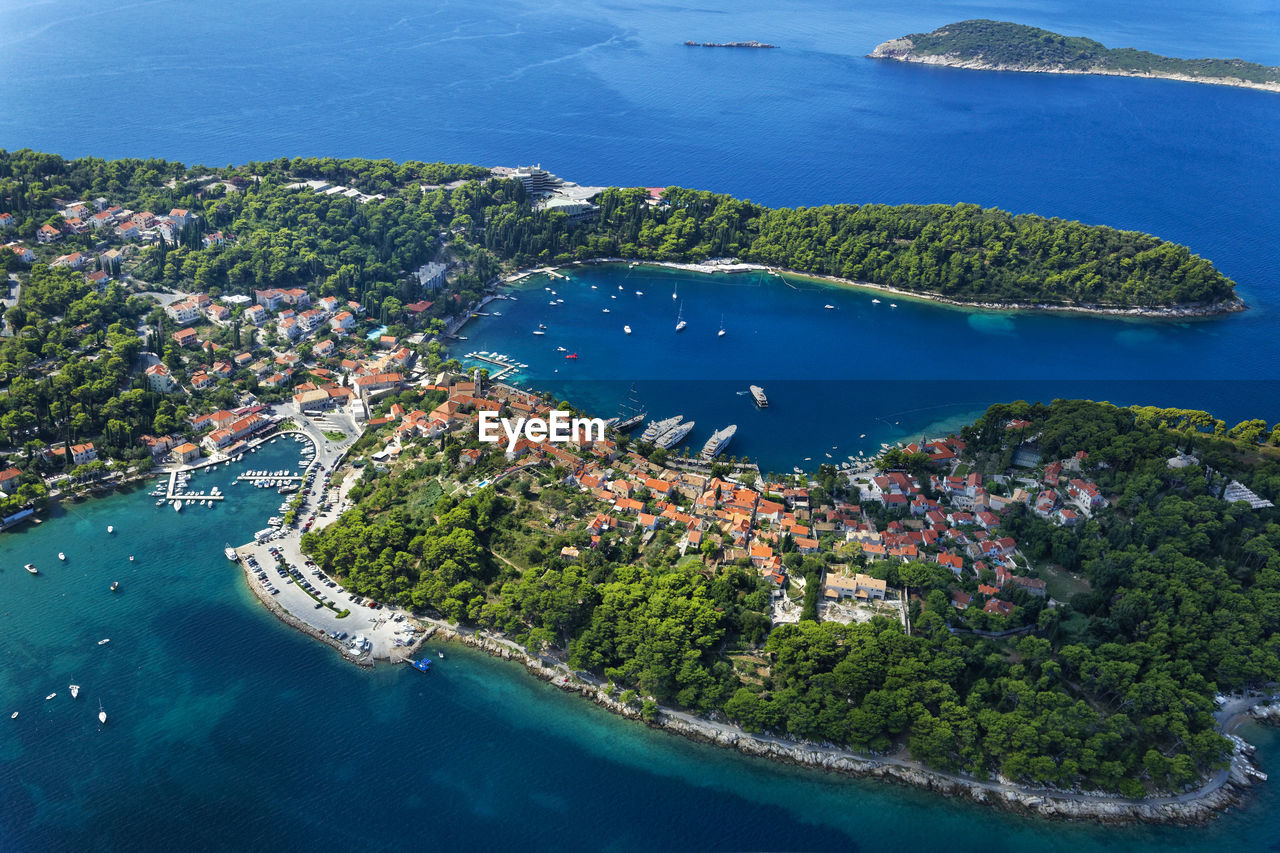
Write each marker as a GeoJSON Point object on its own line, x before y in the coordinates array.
{"type": "Point", "coordinates": [1226, 788]}
{"type": "Point", "coordinates": [1178, 312]}
{"type": "Point", "coordinates": [899, 50]}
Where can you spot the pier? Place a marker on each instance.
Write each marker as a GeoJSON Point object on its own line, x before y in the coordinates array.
{"type": "Point", "coordinates": [173, 495]}
{"type": "Point", "coordinates": [505, 367]}
{"type": "Point", "coordinates": [278, 479]}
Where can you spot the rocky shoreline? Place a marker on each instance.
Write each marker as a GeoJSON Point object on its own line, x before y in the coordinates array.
{"type": "Point", "coordinates": [1226, 789]}
{"type": "Point", "coordinates": [901, 50]}
{"type": "Point", "coordinates": [1172, 312]}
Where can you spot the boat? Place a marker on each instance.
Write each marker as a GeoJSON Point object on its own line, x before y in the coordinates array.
{"type": "Point", "coordinates": [829, 307]}
{"type": "Point", "coordinates": [674, 436]}
{"type": "Point", "coordinates": [718, 442]}
{"type": "Point", "coordinates": [110, 529]}
{"type": "Point", "coordinates": [50, 696]}
{"type": "Point", "coordinates": [605, 310]}
{"type": "Point", "coordinates": [639, 293]}
{"type": "Point", "coordinates": [655, 429]}
{"type": "Point", "coordinates": [561, 349]}
{"type": "Point", "coordinates": [130, 558]}
{"type": "Point", "coordinates": [177, 506]}
{"type": "Point", "coordinates": [102, 714]}
{"type": "Point", "coordinates": [630, 414]}
{"type": "Point", "coordinates": [571, 355]}
{"type": "Point", "coordinates": [674, 288]}
{"type": "Point", "coordinates": [62, 556]}
{"type": "Point", "coordinates": [893, 305]}
{"type": "Point", "coordinates": [104, 641]}
{"type": "Point", "coordinates": [423, 665]}
{"type": "Point", "coordinates": [626, 329]}
{"type": "Point", "coordinates": [538, 332]}
{"type": "Point", "coordinates": [720, 334]}
{"type": "Point", "coordinates": [160, 502]}
{"type": "Point", "coordinates": [875, 301]}
{"type": "Point", "coordinates": [542, 325]}
{"type": "Point", "coordinates": [115, 585]}
{"type": "Point", "coordinates": [757, 394]}
{"type": "Point", "coordinates": [31, 568]}
{"type": "Point", "coordinates": [863, 435]}
{"type": "Point", "coordinates": [230, 553]}
{"type": "Point", "coordinates": [75, 690]}
{"type": "Point", "coordinates": [680, 321]}
{"type": "Point", "coordinates": [441, 655]}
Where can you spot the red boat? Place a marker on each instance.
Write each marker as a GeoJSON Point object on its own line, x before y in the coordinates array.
{"type": "Point", "coordinates": [572, 355]}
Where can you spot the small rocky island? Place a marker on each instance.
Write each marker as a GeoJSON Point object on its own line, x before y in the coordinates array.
{"type": "Point", "coordinates": [754, 44]}
{"type": "Point", "coordinates": [1002, 46]}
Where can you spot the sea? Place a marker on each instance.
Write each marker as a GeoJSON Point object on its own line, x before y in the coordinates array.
{"type": "Point", "coordinates": [228, 730]}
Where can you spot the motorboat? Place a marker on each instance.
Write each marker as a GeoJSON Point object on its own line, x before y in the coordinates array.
{"type": "Point", "coordinates": [50, 696]}
{"type": "Point", "coordinates": [104, 641]}
{"type": "Point", "coordinates": [626, 329]}
{"type": "Point", "coordinates": [62, 556]}
{"type": "Point", "coordinates": [829, 307]}
{"type": "Point", "coordinates": [30, 567]}
{"type": "Point", "coordinates": [115, 585]}
{"type": "Point", "coordinates": [875, 301]}
{"type": "Point", "coordinates": [110, 529]}
{"type": "Point", "coordinates": [102, 714]}
{"type": "Point", "coordinates": [75, 690]}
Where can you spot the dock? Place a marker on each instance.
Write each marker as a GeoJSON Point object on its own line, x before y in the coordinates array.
{"type": "Point", "coordinates": [279, 479]}
{"type": "Point", "coordinates": [505, 367]}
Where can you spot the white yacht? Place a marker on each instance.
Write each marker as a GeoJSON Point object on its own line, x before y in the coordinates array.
{"type": "Point", "coordinates": [626, 329]}
{"type": "Point", "coordinates": [75, 690]}
{"type": "Point", "coordinates": [102, 714]}
{"type": "Point", "coordinates": [680, 321]}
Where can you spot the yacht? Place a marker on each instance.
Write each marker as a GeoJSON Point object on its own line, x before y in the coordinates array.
{"type": "Point", "coordinates": [75, 690]}
{"type": "Point", "coordinates": [718, 442]}
{"type": "Point", "coordinates": [657, 428]}
{"type": "Point", "coordinates": [675, 435]}
{"type": "Point", "coordinates": [50, 696]}
{"type": "Point", "coordinates": [177, 506]}
{"type": "Point", "coordinates": [626, 329]}
{"type": "Point", "coordinates": [720, 334]}
{"type": "Point", "coordinates": [757, 394]}
{"type": "Point", "coordinates": [639, 293]}
{"type": "Point", "coordinates": [829, 307]}
{"type": "Point", "coordinates": [893, 305]}
{"type": "Point", "coordinates": [680, 321]}
{"type": "Point", "coordinates": [102, 714]}
{"type": "Point", "coordinates": [115, 585]}
{"type": "Point", "coordinates": [104, 641]}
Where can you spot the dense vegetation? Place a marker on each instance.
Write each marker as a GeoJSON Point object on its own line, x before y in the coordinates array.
{"type": "Point", "coordinates": [1019, 46]}
{"type": "Point", "coordinates": [1113, 690]}
{"type": "Point", "coordinates": [364, 251]}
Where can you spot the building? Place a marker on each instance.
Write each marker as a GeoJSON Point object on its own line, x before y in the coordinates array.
{"type": "Point", "coordinates": [183, 312]}
{"type": "Point", "coordinates": [367, 385]}
{"type": "Point", "coordinates": [186, 337]}
{"type": "Point", "coordinates": [431, 276]}
{"type": "Point", "coordinates": [48, 234]}
{"type": "Point", "coordinates": [343, 322]}
{"type": "Point", "coordinates": [576, 209]}
{"type": "Point", "coordinates": [185, 453]}
{"type": "Point", "coordinates": [160, 379]}
{"type": "Point", "coordinates": [83, 453]}
{"type": "Point", "coordinates": [256, 314]}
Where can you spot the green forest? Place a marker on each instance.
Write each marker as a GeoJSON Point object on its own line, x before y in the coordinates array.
{"type": "Point", "coordinates": [363, 251]}
{"type": "Point", "coordinates": [1113, 690]}
{"type": "Point", "coordinates": [1003, 43]}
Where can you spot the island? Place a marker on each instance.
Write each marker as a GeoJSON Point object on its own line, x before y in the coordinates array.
{"type": "Point", "coordinates": [1062, 607]}
{"type": "Point", "coordinates": [748, 44]}
{"type": "Point", "coordinates": [1003, 46]}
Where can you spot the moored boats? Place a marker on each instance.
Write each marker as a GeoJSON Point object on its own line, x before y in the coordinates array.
{"type": "Point", "coordinates": [230, 553]}
{"type": "Point", "coordinates": [718, 442]}
{"type": "Point", "coordinates": [655, 429]}
{"type": "Point", "coordinates": [675, 435]}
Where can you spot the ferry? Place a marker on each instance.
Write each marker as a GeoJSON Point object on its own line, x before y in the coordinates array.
{"type": "Point", "coordinates": [757, 394]}
{"type": "Point", "coordinates": [230, 553]}
{"type": "Point", "coordinates": [654, 430]}
{"type": "Point", "coordinates": [31, 567]}
{"type": "Point", "coordinates": [674, 436]}
{"type": "Point", "coordinates": [718, 442]}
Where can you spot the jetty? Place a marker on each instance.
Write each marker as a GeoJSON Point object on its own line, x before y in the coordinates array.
{"type": "Point", "coordinates": [172, 494]}
{"type": "Point", "coordinates": [506, 366]}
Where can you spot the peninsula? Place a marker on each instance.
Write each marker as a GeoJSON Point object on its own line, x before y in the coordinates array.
{"type": "Point", "coordinates": [1003, 46]}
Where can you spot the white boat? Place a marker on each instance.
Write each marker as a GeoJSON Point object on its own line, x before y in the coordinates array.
{"type": "Point", "coordinates": [50, 696]}
{"type": "Point", "coordinates": [875, 301]}
{"type": "Point", "coordinates": [757, 394]}
{"type": "Point", "coordinates": [863, 435]}
{"type": "Point", "coordinates": [538, 332]}
{"type": "Point", "coordinates": [893, 305]}
{"type": "Point", "coordinates": [720, 334]}
{"type": "Point", "coordinates": [62, 556]}
{"type": "Point", "coordinates": [75, 690]}
{"type": "Point", "coordinates": [718, 442]}
{"type": "Point", "coordinates": [14, 715]}
{"type": "Point", "coordinates": [30, 567]}
{"type": "Point", "coordinates": [674, 288]}
{"type": "Point", "coordinates": [626, 329]}
{"type": "Point", "coordinates": [680, 321]}
{"type": "Point", "coordinates": [639, 293]}
{"type": "Point", "coordinates": [110, 529]}
{"type": "Point", "coordinates": [104, 641]}
{"type": "Point", "coordinates": [177, 506]}
{"type": "Point", "coordinates": [606, 310]}
{"type": "Point", "coordinates": [561, 349]}
{"type": "Point", "coordinates": [130, 558]}
{"type": "Point", "coordinates": [102, 715]}
{"type": "Point", "coordinates": [829, 307]}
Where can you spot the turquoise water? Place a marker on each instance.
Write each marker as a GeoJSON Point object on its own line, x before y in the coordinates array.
{"type": "Point", "coordinates": [228, 730]}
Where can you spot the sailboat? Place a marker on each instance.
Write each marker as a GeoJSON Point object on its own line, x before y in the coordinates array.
{"type": "Point", "coordinates": [102, 714]}
{"type": "Point", "coordinates": [75, 690]}
{"type": "Point", "coordinates": [720, 334]}
{"type": "Point", "coordinates": [680, 321]}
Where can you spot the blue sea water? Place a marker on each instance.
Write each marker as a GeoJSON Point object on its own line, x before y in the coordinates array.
{"type": "Point", "coordinates": [229, 731]}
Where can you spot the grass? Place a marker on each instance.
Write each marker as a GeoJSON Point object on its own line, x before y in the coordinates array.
{"type": "Point", "coordinates": [1061, 583]}
{"type": "Point", "coordinates": [334, 435]}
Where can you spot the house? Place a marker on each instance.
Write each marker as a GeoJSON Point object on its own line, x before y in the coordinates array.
{"type": "Point", "coordinates": [870, 588]}
{"type": "Point", "coordinates": [75, 261]}
{"type": "Point", "coordinates": [998, 606]}
{"type": "Point", "coordinates": [839, 587]}
{"type": "Point", "coordinates": [214, 239]}
{"type": "Point", "coordinates": [342, 322]}
{"type": "Point", "coordinates": [180, 216]}
{"type": "Point", "coordinates": [6, 220]}
{"type": "Point", "coordinates": [48, 234]}
{"type": "Point", "coordinates": [367, 385]}
{"type": "Point", "coordinates": [270, 299]}
{"type": "Point", "coordinates": [960, 600]}
{"type": "Point", "coordinates": [217, 313]}
{"type": "Point", "coordinates": [83, 453]}
{"type": "Point", "coordinates": [256, 314]}
{"type": "Point", "coordinates": [1085, 493]}
{"type": "Point", "coordinates": [221, 369]}
{"type": "Point", "coordinates": [24, 254]}
{"type": "Point", "coordinates": [202, 380]}
{"type": "Point", "coordinates": [243, 359]}
{"type": "Point", "coordinates": [288, 328]}
{"type": "Point", "coordinates": [127, 230]}
{"type": "Point", "coordinates": [100, 220]}
{"type": "Point", "coordinates": [186, 452]}
{"type": "Point", "coordinates": [186, 337]}
{"type": "Point", "coordinates": [183, 312]}
{"type": "Point", "coordinates": [1033, 586]}
{"type": "Point", "coordinates": [324, 349]}
{"type": "Point", "coordinates": [159, 379]}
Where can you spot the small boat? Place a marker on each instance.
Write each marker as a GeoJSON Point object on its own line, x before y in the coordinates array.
{"type": "Point", "coordinates": [62, 556]}
{"type": "Point", "coordinates": [31, 567]}
{"type": "Point", "coordinates": [538, 332]}
{"type": "Point", "coordinates": [102, 714]}
{"type": "Point", "coordinates": [230, 553]}
{"type": "Point", "coordinates": [441, 654]}
{"type": "Point", "coordinates": [110, 529]}
{"type": "Point", "coordinates": [14, 715]}
{"type": "Point", "coordinates": [160, 502]}
{"type": "Point", "coordinates": [875, 301]}
{"type": "Point", "coordinates": [561, 349]}
{"type": "Point", "coordinates": [829, 307]}
{"type": "Point", "coordinates": [75, 690]}
{"type": "Point", "coordinates": [680, 321]}
{"type": "Point", "coordinates": [893, 305]}
{"type": "Point", "coordinates": [50, 696]}
{"type": "Point", "coordinates": [177, 506]}
{"type": "Point", "coordinates": [572, 355]}
{"type": "Point", "coordinates": [542, 325]}
{"type": "Point", "coordinates": [863, 435]}
{"type": "Point", "coordinates": [104, 641]}
{"type": "Point", "coordinates": [626, 329]}
{"type": "Point", "coordinates": [130, 558]}
{"type": "Point", "coordinates": [606, 310]}
{"type": "Point", "coordinates": [639, 293]}
{"type": "Point", "coordinates": [720, 334]}
{"type": "Point", "coordinates": [115, 585]}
